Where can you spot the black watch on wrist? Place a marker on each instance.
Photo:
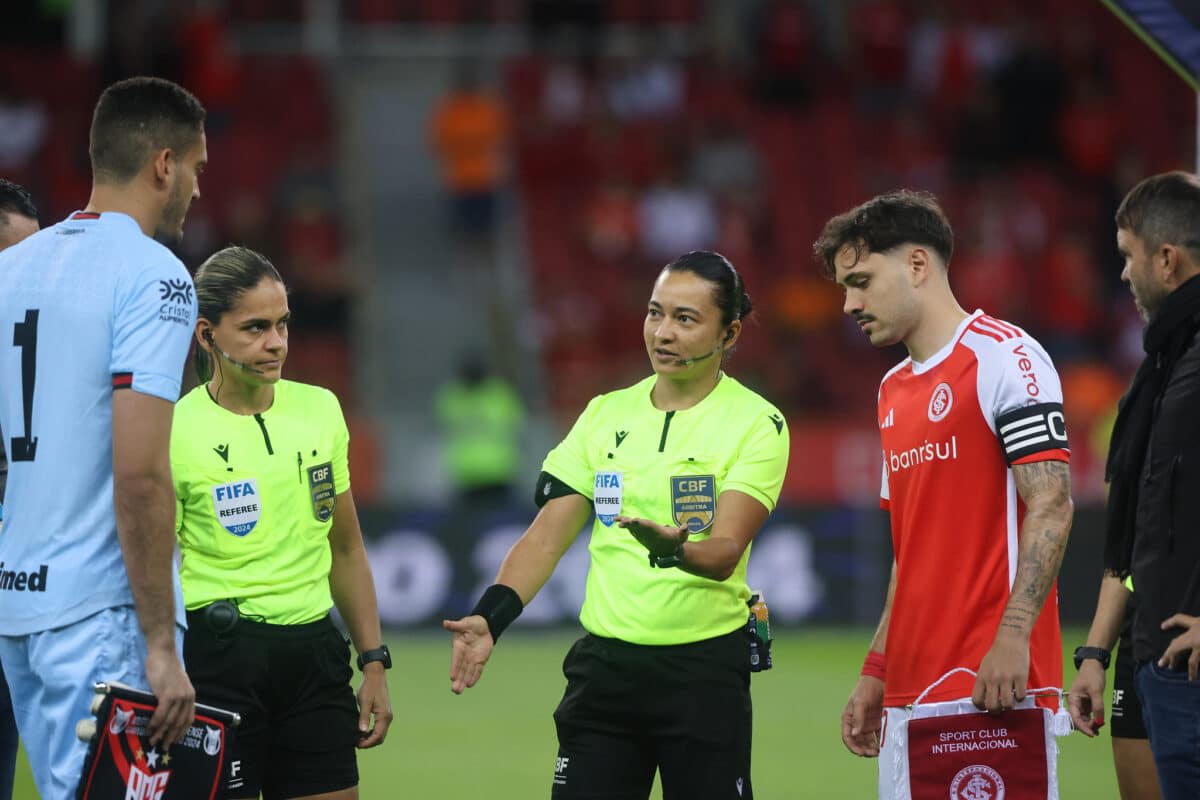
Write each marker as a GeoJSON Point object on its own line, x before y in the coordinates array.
{"type": "Point", "coordinates": [669, 560]}
{"type": "Point", "coordinates": [1099, 653]}
{"type": "Point", "coordinates": [380, 653]}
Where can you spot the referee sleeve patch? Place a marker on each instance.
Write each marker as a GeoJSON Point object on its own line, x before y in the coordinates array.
{"type": "Point", "coordinates": [122, 380]}
{"type": "Point", "coordinates": [550, 487]}
{"type": "Point", "coordinates": [1032, 429]}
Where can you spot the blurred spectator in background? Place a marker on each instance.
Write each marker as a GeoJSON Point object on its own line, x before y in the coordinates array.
{"type": "Point", "coordinates": [481, 419]}
{"type": "Point", "coordinates": [469, 135]}
{"type": "Point", "coordinates": [648, 86]}
{"type": "Point", "coordinates": [675, 215]}
{"type": "Point", "coordinates": [23, 121]}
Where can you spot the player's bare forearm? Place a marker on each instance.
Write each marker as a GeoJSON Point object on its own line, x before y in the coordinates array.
{"type": "Point", "coordinates": [145, 511]}
{"type": "Point", "coordinates": [144, 505]}
{"type": "Point", "coordinates": [531, 561]}
{"type": "Point", "coordinates": [1045, 488]}
{"type": "Point", "coordinates": [879, 642]}
{"type": "Point", "coordinates": [1110, 613]}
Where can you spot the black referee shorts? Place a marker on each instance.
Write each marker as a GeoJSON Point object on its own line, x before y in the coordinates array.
{"type": "Point", "coordinates": [1126, 714]}
{"type": "Point", "coordinates": [291, 684]}
{"type": "Point", "coordinates": [631, 709]}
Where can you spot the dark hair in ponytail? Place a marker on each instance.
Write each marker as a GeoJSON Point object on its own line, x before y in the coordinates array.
{"type": "Point", "coordinates": [729, 292]}
{"type": "Point", "coordinates": [220, 282]}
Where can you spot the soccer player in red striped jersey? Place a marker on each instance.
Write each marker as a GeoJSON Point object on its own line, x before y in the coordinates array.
{"type": "Point", "coordinates": [975, 477]}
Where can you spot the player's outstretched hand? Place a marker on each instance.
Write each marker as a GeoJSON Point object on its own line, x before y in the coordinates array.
{"type": "Point", "coordinates": [176, 698]}
{"type": "Point", "coordinates": [863, 718]}
{"type": "Point", "coordinates": [471, 649]}
{"type": "Point", "coordinates": [1185, 647]}
{"type": "Point", "coordinates": [373, 700]}
{"type": "Point", "coordinates": [1085, 699]}
{"type": "Point", "coordinates": [1003, 674]}
{"type": "Point", "coordinates": [660, 540]}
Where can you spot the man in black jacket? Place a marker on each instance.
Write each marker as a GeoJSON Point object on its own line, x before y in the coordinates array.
{"type": "Point", "coordinates": [1153, 525]}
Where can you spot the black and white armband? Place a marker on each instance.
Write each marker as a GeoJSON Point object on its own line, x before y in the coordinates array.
{"type": "Point", "coordinates": [1032, 429]}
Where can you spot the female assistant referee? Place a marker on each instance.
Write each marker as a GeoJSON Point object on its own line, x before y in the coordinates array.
{"type": "Point", "coordinates": [681, 470]}
{"type": "Point", "coordinates": [270, 540]}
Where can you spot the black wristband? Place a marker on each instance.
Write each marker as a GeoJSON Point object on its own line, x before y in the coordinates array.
{"type": "Point", "coordinates": [500, 605]}
{"type": "Point", "coordinates": [1098, 653]}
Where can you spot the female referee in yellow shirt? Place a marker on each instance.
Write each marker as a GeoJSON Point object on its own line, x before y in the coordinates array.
{"type": "Point", "coordinates": [270, 540]}
{"type": "Point", "coordinates": [681, 470]}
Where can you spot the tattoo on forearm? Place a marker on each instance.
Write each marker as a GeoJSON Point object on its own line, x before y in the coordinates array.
{"type": "Point", "coordinates": [1045, 487]}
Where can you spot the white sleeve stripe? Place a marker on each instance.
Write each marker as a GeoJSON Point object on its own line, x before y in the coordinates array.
{"type": "Point", "coordinates": [1025, 437]}
{"type": "Point", "coordinates": [1013, 447]}
{"type": "Point", "coordinates": [1022, 423]}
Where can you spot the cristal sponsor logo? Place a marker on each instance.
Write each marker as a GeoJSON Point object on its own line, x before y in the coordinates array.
{"type": "Point", "coordinates": [940, 402]}
{"type": "Point", "coordinates": [177, 301]}
{"type": "Point", "coordinates": [146, 786]}
{"type": "Point", "coordinates": [977, 782]}
{"type": "Point", "coordinates": [15, 581]}
{"type": "Point", "coordinates": [898, 461]}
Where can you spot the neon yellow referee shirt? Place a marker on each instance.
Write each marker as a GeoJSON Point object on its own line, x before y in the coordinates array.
{"type": "Point", "coordinates": [670, 467]}
{"type": "Point", "coordinates": [255, 497]}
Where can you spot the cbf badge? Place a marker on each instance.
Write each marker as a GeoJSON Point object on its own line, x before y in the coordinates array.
{"type": "Point", "coordinates": [237, 505]}
{"type": "Point", "coordinates": [324, 495]}
{"type": "Point", "coordinates": [607, 496]}
{"type": "Point", "coordinates": [694, 501]}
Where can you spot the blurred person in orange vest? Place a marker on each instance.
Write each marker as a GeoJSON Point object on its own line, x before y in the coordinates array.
{"type": "Point", "coordinates": [469, 134]}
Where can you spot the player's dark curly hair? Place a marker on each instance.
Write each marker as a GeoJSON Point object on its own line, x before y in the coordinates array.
{"type": "Point", "coordinates": [137, 117]}
{"type": "Point", "coordinates": [220, 282]}
{"type": "Point", "coordinates": [1163, 209]}
{"type": "Point", "coordinates": [729, 292]}
{"type": "Point", "coordinates": [15, 199]}
{"type": "Point", "coordinates": [884, 222]}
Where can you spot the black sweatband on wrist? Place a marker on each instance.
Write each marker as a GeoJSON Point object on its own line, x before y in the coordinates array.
{"type": "Point", "coordinates": [500, 605]}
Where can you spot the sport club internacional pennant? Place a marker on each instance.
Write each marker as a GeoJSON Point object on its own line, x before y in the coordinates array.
{"type": "Point", "coordinates": [953, 751]}
{"type": "Point", "coordinates": [121, 763]}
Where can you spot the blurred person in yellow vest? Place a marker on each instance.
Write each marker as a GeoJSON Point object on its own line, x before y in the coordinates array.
{"type": "Point", "coordinates": [481, 418]}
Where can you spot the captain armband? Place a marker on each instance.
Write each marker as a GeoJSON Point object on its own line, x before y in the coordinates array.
{"type": "Point", "coordinates": [1032, 429]}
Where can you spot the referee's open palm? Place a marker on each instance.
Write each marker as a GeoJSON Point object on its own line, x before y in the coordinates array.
{"type": "Point", "coordinates": [470, 650]}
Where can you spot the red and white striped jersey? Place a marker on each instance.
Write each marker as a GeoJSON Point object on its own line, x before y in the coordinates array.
{"type": "Point", "coordinates": [952, 427]}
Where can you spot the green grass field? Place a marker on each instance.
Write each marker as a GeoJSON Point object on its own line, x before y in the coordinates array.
{"type": "Point", "coordinates": [496, 742]}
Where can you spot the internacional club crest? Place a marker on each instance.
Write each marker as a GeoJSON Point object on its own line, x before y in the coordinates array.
{"type": "Point", "coordinates": [941, 402]}
{"type": "Point", "coordinates": [977, 782]}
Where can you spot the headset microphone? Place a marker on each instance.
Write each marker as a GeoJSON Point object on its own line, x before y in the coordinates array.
{"type": "Point", "coordinates": [208, 337]}
{"type": "Point", "coordinates": [687, 362]}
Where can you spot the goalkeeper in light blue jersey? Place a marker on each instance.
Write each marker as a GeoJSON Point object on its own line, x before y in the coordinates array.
{"type": "Point", "coordinates": [95, 322]}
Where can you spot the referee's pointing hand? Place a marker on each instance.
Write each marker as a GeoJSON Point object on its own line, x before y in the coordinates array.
{"type": "Point", "coordinates": [470, 651]}
{"type": "Point", "coordinates": [660, 540]}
